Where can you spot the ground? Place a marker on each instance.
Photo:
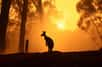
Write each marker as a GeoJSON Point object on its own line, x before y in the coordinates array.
{"type": "Point", "coordinates": [54, 59]}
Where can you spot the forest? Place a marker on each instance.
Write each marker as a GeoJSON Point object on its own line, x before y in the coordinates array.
{"type": "Point", "coordinates": [14, 17]}
{"type": "Point", "coordinates": [17, 18]}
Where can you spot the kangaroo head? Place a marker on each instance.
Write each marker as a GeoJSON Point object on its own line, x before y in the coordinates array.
{"type": "Point", "coordinates": [43, 33]}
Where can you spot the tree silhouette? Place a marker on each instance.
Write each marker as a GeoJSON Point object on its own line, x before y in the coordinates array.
{"type": "Point", "coordinates": [4, 18]}
{"type": "Point", "coordinates": [91, 18]}
{"type": "Point", "coordinates": [23, 24]}
{"type": "Point", "coordinates": [16, 18]}
{"type": "Point", "coordinates": [24, 13]}
{"type": "Point", "coordinates": [39, 9]}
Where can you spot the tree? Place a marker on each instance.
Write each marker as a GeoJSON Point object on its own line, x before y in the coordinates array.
{"type": "Point", "coordinates": [91, 18]}
{"type": "Point", "coordinates": [22, 8]}
{"type": "Point", "coordinates": [23, 25]}
{"type": "Point", "coordinates": [4, 18]}
{"type": "Point", "coordinates": [39, 10]}
{"type": "Point", "coordinates": [22, 11]}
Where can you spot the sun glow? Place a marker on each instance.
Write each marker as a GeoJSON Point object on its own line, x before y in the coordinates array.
{"type": "Point", "coordinates": [69, 15]}
{"type": "Point", "coordinates": [61, 25]}
{"type": "Point", "coordinates": [63, 15]}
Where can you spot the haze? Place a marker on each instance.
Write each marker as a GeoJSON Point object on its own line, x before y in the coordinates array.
{"type": "Point", "coordinates": [68, 38]}
{"type": "Point", "coordinates": [64, 31]}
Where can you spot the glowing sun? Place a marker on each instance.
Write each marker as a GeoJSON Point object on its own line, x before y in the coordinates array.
{"type": "Point", "coordinates": [61, 25]}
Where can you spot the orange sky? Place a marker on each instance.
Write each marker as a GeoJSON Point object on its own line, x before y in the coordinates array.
{"type": "Point", "coordinates": [66, 35]}
{"type": "Point", "coordinates": [64, 31]}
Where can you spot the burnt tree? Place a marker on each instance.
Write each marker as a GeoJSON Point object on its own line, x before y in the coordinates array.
{"type": "Point", "coordinates": [4, 18]}
{"type": "Point", "coordinates": [23, 24]}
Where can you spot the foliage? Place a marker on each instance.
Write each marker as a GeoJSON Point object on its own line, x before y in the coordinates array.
{"type": "Point", "coordinates": [91, 17]}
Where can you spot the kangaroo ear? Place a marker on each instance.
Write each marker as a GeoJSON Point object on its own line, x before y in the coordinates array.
{"type": "Point", "coordinates": [44, 31]}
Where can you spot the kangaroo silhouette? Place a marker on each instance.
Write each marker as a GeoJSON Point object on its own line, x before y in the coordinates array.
{"type": "Point", "coordinates": [49, 41]}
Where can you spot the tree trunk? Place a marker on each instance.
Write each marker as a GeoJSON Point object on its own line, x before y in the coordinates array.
{"type": "Point", "coordinates": [23, 24]}
{"type": "Point", "coordinates": [4, 18]}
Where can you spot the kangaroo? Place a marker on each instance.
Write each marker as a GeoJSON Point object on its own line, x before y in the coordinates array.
{"type": "Point", "coordinates": [49, 41]}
